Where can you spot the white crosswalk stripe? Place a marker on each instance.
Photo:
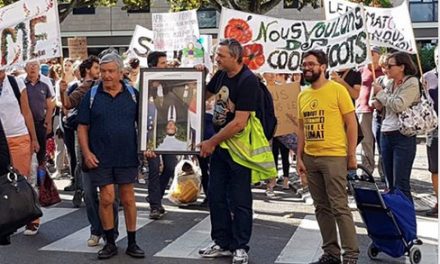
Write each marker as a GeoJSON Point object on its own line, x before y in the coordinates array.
{"type": "Point", "coordinates": [77, 242]}
{"type": "Point", "coordinates": [188, 245]}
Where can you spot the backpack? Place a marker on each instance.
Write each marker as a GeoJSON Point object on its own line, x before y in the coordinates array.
{"type": "Point", "coordinates": [15, 88]}
{"type": "Point", "coordinates": [72, 117]}
{"type": "Point", "coordinates": [94, 90]}
{"type": "Point", "coordinates": [265, 109]}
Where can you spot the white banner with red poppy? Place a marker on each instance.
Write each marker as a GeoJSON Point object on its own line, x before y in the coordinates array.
{"type": "Point", "coordinates": [277, 45]}
{"type": "Point", "coordinates": [30, 30]}
{"type": "Point", "coordinates": [388, 27]}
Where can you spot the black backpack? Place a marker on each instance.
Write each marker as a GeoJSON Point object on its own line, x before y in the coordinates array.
{"type": "Point", "coordinates": [265, 109]}
{"type": "Point", "coordinates": [15, 88]}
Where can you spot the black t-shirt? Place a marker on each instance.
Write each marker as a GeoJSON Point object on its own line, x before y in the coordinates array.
{"type": "Point", "coordinates": [230, 98]}
{"type": "Point", "coordinates": [352, 78]}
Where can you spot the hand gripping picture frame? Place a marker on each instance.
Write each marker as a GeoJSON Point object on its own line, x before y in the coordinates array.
{"type": "Point", "coordinates": [172, 110]}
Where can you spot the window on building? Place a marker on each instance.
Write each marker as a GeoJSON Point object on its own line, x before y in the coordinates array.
{"type": "Point", "coordinates": [144, 9]}
{"type": "Point", "coordinates": [291, 3]}
{"type": "Point", "coordinates": [423, 10]}
{"type": "Point", "coordinates": [207, 18]}
{"type": "Point", "coordinates": [87, 10]}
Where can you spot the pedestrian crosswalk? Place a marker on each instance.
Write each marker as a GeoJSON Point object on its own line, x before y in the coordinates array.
{"type": "Point", "coordinates": [303, 246]}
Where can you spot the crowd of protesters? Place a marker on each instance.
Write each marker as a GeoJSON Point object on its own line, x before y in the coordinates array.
{"type": "Point", "coordinates": [73, 106]}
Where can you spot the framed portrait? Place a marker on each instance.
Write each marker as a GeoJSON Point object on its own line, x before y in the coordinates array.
{"type": "Point", "coordinates": [171, 111]}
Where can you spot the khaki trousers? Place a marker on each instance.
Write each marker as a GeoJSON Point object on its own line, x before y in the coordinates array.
{"type": "Point", "coordinates": [327, 178]}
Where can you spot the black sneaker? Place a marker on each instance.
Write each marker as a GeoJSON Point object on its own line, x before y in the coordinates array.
{"type": "Point", "coordinates": [108, 251]}
{"type": "Point", "coordinates": [135, 251]}
{"type": "Point", "coordinates": [77, 198]}
{"type": "Point", "coordinates": [155, 214]}
{"type": "Point", "coordinates": [70, 188]}
{"type": "Point", "coordinates": [433, 212]}
{"type": "Point", "coordinates": [327, 259]}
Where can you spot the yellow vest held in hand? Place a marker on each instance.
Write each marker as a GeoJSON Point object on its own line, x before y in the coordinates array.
{"type": "Point", "coordinates": [251, 149]}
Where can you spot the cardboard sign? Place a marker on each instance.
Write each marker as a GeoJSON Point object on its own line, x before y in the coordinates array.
{"type": "Point", "coordinates": [387, 27]}
{"type": "Point", "coordinates": [141, 44]}
{"type": "Point", "coordinates": [173, 31]}
{"type": "Point", "coordinates": [30, 30]}
{"type": "Point", "coordinates": [277, 45]}
{"type": "Point", "coordinates": [77, 48]}
{"type": "Point", "coordinates": [285, 98]}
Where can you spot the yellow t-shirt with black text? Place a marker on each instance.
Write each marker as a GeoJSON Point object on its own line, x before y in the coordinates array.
{"type": "Point", "coordinates": [321, 111]}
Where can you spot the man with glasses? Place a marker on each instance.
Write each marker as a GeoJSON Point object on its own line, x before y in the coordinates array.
{"type": "Point", "coordinates": [327, 137]}
{"type": "Point", "coordinates": [230, 197]}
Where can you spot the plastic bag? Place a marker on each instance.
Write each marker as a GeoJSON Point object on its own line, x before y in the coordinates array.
{"type": "Point", "coordinates": [185, 187]}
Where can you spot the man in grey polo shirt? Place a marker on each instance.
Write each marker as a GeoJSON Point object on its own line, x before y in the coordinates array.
{"type": "Point", "coordinates": [41, 102]}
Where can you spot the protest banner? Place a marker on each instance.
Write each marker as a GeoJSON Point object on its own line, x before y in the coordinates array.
{"type": "Point", "coordinates": [141, 44]}
{"type": "Point", "coordinates": [30, 30]}
{"type": "Point", "coordinates": [285, 99]}
{"type": "Point", "coordinates": [77, 48]}
{"type": "Point", "coordinates": [277, 45]}
{"type": "Point", "coordinates": [388, 27]}
{"type": "Point", "coordinates": [174, 31]}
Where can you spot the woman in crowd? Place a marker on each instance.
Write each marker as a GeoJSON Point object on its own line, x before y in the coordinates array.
{"type": "Point", "coordinates": [18, 124]}
{"type": "Point", "coordinates": [398, 151]}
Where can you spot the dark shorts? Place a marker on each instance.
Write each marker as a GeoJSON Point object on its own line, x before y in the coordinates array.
{"type": "Point", "coordinates": [433, 156]}
{"type": "Point", "coordinates": [115, 175]}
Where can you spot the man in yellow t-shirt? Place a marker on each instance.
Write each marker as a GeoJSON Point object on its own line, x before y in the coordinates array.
{"type": "Point", "coordinates": [326, 149]}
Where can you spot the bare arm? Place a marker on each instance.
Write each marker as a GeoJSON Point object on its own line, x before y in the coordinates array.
{"type": "Point", "coordinates": [50, 106]}
{"type": "Point", "coordinates": [352, 134]}
{"type": "Point", "coordinates": [83, 137]}
{"type": "Point", "coordinates": [235, 126]}
{"type": "Point", "coordinates": [300, 167]}
{"type": "Point", "coordinates": [28, 119]}
{"type": "Point", "coordinates": [353, 91]}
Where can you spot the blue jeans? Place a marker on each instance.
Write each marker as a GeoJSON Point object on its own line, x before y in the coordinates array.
{"type": "Point", "coordinates": [398, 154]}
{"type": "Point", "coordinates": [157, 182]}
{"type": "Point", "coordinates": [230, 202]}
{"type": "Point", "coordinates": [92, 206]}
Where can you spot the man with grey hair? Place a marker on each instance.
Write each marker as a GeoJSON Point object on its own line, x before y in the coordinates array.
{"type": "Point", "coordinates": [230, 197]}
{"type": "Point", "coordinates": [108, 139]}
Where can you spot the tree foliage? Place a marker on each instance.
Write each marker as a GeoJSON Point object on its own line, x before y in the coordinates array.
{"type": "Point", "coordinates": [65, 7]}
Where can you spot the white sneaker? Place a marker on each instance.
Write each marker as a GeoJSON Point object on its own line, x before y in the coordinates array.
{"type": "Point", "coordinates": [214, 251]}
{"type": "Point", "coordinates": [31, 229]}
{"type": "Point", "coordinates": [93, 241]}
{"type": "Point", "coordinates": [240, 256]}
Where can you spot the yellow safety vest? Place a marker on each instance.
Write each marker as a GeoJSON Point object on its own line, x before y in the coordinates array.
{"type": "Point", "coordinates": [251, 149]}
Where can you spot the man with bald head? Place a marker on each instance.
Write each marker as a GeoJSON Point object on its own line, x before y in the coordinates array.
{"type": "Point", "coordinates": [108, 139]}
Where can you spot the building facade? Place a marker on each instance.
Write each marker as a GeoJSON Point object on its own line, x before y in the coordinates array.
{"type": "Point", "coordinates": [113, 27]}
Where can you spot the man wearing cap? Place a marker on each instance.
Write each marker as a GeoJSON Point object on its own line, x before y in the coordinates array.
{"type": "Point", "coordinates": [108, 139]}
{"type": "Point", "coordinates": [365, 112]}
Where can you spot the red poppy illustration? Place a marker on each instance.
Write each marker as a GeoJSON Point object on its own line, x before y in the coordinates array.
{"type": "Point", "coordinates": [238, 29]}
{"type": "Point", "coordinates": [253, 56]}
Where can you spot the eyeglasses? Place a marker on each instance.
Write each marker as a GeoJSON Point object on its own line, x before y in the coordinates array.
{"type": "Point", "coordinates": [309, 65]}
{"type": "Point", "coordinates": [388, 66]}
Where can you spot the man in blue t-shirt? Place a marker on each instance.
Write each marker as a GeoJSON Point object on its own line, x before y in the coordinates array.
{"type": "Point", "coordinates": [230, 197]}
{"type": "Point", "coordinates": [108, 139]}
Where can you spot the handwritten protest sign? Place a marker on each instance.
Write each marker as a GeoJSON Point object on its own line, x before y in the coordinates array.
{"type": "Point", "coordinates": [277, 45]}
{"type": "Point", "coordinates": [388, 27]}
{"type": "Point", "coordinates": [30, 30]}
{"type": "Point", "coordinates": [173, 31]}
{"type": "Point", "coordinates": [285, 99]}
{"type": "Point", "coordinates": [77, 48]}
{"type": "Point", "coordinates": [141, 44]}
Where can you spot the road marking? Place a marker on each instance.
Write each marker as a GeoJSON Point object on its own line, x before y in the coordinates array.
{"type": "Point", "coordinates": [187, 245]}
{"type": "Point", "coordinates": [305, 244]}
{"type": "Point", "coordinates": [50, 214]}
{"type": "Point", "coordinates": [77, 242]}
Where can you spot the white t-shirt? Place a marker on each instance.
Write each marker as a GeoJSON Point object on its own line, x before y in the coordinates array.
{"type": "Point", "coordinates": [10, 113]}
